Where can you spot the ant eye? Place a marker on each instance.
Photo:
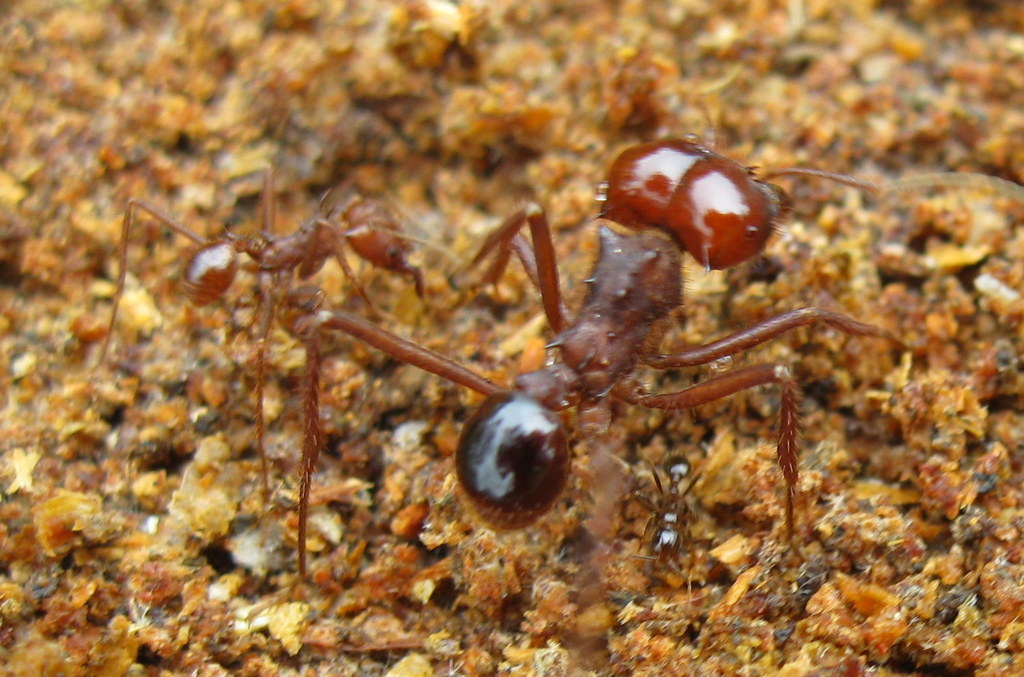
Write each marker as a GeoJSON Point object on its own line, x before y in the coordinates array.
{"type": "Point", "coordinates": [209, 271]}
{"type": "Point", "coordinates": [512, 460]}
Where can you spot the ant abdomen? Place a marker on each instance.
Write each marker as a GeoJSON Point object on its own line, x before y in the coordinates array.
{"type": "Point", "coordinates": [713, 206]}
{"type": "Point", "coordinates": [209, 271]}
{"type": "Point", "coordinates": [512, 460]}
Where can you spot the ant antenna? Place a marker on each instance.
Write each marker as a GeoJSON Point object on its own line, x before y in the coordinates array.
{"type": "Point", "coordinates": [863, 184]}
{"type": "Point", "coordinates": [984, 182]}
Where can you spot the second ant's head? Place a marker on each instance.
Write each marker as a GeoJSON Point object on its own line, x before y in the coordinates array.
{"type": "Point", "coordinates": [715, 208]}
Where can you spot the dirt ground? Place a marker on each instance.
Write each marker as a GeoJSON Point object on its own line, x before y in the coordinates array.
{"type": "Point", "coordinates": [134, 534]}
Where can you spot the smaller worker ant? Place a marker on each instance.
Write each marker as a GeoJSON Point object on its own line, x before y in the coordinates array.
{"type": "Point", "coordinates": [670, 518]}
{"type": "Point", "coordinates": [344, 219]}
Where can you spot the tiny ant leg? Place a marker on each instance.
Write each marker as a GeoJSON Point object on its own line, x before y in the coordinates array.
{"type": "Point", "coordinates": [765, 331]}
{"type": "Point", "coordinates": [346, 269]}
{"type": "Point", "coordinates": [730, 383]}
{"type": "Point", "coordinates": [500, 242]}
{"type": "Point", "coordinates": [122, 275]}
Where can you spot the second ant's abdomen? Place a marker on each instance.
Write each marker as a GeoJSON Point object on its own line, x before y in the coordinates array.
{"type": "Point", "coordinates": [209, 271]}
{"type": "Point", "coordinates": [512, 460]}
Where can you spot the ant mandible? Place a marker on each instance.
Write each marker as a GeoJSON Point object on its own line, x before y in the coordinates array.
{"type": "Point", "coordinates": [367, 226]}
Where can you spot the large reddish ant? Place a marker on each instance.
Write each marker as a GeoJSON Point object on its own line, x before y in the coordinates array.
{"type": "Point", "coordinates": [663, 198]}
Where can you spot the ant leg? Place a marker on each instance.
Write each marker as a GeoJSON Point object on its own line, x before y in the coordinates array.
{"type": "Point", "coordinates": [406, 351]}
{"type": "Point", "coordinates": [312, 438]}
{"type": "Point", "coordinates": [299, 317]}
{"type": "Point", "coordinates": [122, 273]}
{"type": "Point", "coordinates": [541, 259]}
{"type": "Point", "coordinates": [730, 383]}
{"type": "Point", "coordinates": [354, 282]}
{"type": "Point", "coordinates": [306, 322]}
{"type": "Point", "coordinates": [765, 331]}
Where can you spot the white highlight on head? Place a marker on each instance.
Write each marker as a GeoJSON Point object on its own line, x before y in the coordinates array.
{"type": "Point", "coordinates": [666, 162]}
{"type": "Point", "coordinates": [714, 193]}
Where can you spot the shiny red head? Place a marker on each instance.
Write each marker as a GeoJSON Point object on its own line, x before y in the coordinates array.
{"type": "Point", "coordinates": [714, 207]}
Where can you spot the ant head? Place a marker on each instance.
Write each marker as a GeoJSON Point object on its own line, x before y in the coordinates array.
{"type": "Point", "coordinates": [209, 271]}
{"type": "Point", "coordinates": [512, 460]}
{"type": "Point", "coordinates": [715, 208]}
{"type": "Point", "coordinates": [677, 471]}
